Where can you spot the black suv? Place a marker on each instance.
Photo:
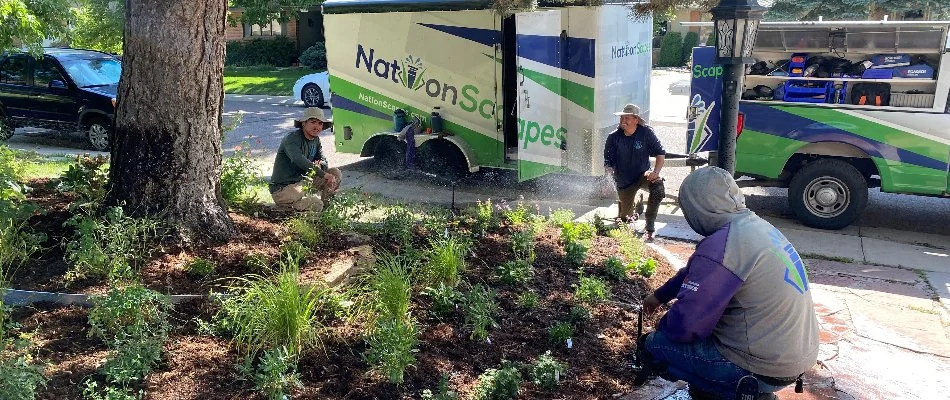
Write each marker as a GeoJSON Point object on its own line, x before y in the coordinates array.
{"type": "Point", "coordinates": [68, 89]}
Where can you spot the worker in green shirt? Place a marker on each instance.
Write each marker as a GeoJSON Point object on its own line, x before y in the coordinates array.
{"type": "Point", "coordinates": [300, 154]}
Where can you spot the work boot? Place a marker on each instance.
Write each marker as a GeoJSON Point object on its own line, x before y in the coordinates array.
{"type": "Point", "coordinates": [648, 237]}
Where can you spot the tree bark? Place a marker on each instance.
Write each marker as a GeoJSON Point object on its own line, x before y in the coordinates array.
{"type": "Point", "coordinates": [166, 150]}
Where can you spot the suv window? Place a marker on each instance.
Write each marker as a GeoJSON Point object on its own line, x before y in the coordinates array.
{"type": "Point", "coordinates": [14, 70]}
{"type": "Point", "coordinates": [91, 72]}
{"type": "Point", "coordinates": [46, 73]}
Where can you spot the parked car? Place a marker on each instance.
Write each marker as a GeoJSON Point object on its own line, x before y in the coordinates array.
{"type": "Point", "coordinates": [314, 89]}
{"type": "Point", "coordinates": [679, 87]}
{"type": "Point", "coordinates": [66, 89]}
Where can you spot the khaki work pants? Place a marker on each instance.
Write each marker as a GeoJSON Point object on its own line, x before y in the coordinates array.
{"type": "Point", "coordinates": [628, 195]}
{"type": "Point", "coordinates": [293, 195]}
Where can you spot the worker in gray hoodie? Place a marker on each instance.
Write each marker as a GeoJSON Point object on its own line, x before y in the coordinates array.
{"type": "Point", "coordinates": [743, 305]}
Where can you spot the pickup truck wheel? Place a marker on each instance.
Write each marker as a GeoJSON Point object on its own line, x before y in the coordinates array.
{"type": "Point", "coordinates": [828, 194]}
{"type": "Point", "coordinates": [98, 132]}
{"type": "Point", "coordinates": [312, 96]}
{"type": "Point", "coordinates": [6, 130]}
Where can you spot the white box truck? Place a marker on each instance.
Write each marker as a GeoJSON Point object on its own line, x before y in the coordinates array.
{"type": "Point", "coordinates": [534, 91]}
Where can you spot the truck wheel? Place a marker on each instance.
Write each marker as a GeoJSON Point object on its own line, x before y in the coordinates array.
{"type": "Point", "coordinates": [828, 194]}
{"type": "Point", "coordinates": [98, 133]}
{"type": "Point", "coordinates": [443, 159]}
{"type": "Point", "coordinates": [390, 154]}
{"type": "Point", "coordinates": [6, 130]}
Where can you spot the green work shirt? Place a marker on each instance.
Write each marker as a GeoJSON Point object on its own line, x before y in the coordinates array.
{"type": "Point", "coordinates": [295, 159]}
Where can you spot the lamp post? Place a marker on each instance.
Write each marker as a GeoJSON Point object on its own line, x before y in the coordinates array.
{"type": "Point", "coordinates": [736, 23]}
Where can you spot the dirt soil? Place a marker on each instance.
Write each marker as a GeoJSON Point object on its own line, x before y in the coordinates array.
{"type": "Point", "coordinates": [203, 367]}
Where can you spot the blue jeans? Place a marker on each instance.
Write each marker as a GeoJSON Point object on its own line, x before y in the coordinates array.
{"type": "Point", "coordinates": [698, 363]}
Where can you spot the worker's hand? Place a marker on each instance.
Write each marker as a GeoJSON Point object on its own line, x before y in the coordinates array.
{"type": "Point", "coordinates": [610, 171]}
{"type": "Point", "coordinates": [650, 304]}
{"type": "Point", "coordinates": [652, 176]}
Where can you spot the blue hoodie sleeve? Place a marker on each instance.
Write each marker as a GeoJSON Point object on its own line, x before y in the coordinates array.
{"type": "Point", "coordinates": [706, 290]}
{"type": "Point", "coordinates": [610, 152]}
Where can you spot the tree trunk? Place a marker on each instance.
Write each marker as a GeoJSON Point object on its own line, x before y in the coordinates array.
{"type": "Point", "coordinates": [166, 150]}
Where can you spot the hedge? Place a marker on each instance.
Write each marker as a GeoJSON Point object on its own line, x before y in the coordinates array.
{"type": "Point", "coordinates": [671, 50]}
{"type": "Point", "coordinates": [690, 41]}
{"type": "Point", "coordinates": [278, 51]}
{"type": "Point", "coordinates": [315, 57]}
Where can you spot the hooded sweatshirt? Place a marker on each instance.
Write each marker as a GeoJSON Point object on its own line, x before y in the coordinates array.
{"type": "Point", "coordinates": [745, 285]}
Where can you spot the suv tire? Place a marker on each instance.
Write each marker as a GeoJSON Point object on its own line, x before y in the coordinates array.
{"type": "Point", "coordinates": [828, 194]}
{"type": "Point", "coordinates": [98, 133]}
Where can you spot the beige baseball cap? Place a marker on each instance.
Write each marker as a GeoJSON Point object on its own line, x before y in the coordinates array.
{"type": "Point", "coordinates": [630, 109]}
{"type": "Point", "coordinates": [316, 113]}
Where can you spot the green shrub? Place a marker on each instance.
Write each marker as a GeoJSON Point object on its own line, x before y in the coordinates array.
{"type": "Point", "coordinates": [278, 51]}
{"type": "Point", "coordinates": [579, 315]}
{"type": "Point", "coordinates": [11, 168]}
{"type": "Point", "coordinates": [17, 242]}
{"type": "Point", "coordinates": [591, 290]}
{"type": "Point", "coordinates": [480, 310]}
{"type": "Point", "coordinates": [92, 392]}
{"type": "Point", "coordinates": [86, 177]}
{"type": "Point", "coordinates": [391, 285]}
{"type": "Point", "coordinates": [293, 253]}
{"type": "Point", "coordinates": [577, 232]}
{"type": "Point", "coordinates": [114, 245]}
{"type": "Point", "coordinates": [268, 313]}
{"type": "Point", "coordinates": [616, 268]}
{"type": "Point", "coordinates": [711, 39]}
{"type": "Point", "coordinates": [398, 226]}
{"type": "Point", "coordinates": [485, 218]}
{"type": "Point", "coordinates": [445, 298]}
{"type": "Point", "coordinates": [20, 375]}
{"type": "Point", "coordinates": [576, 253]}
{"type": "Point", "coordinates": [276, 374]}
{"type": "Point", "coordinates": [304, 228]}
{"type": "Point", "coordinates": [499, 384]}
{"type": "Point", "coordinates": [392, 346]}
{"type": "Point", "coordinates": [631, 248]}
{"type": "Point", "coordinates": [560, 332]}
{"type": "Point", "coordinates": [133, 322]}
{"type": "Point", "coordinates": [671, 50]}
{"type": "Point", "coordinates": [517, 216]}
{"type": "Point", "coordinates": [315, 56]}
{"type": "Point", "coordinates": [445, 261]}
{"type": "Point", "coordinates": [528, 299]}
{"type": "Point", "coordinates": [522, 245]}
{"type": "Point", "coordinates": [442, 392]}
{"type": "Point", "coordinates": [515, 272]}
{"type": "Point", "coordinates": [239, 175]}
{"type": "Point", "coordinates": [546, 371]}
{"type": "Point", "coordinates": [690, 41]}
{"type": "Point", "coordinates": [646, 268]}
{"type": "Point", "coordinates": [200, 267]}
{"type": "Point", "coordinates": [561, 217]}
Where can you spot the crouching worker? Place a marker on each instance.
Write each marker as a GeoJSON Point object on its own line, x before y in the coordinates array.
{"type": "Point", "coordinates": [743, 305]}
{"type": "Point", "coordinates": [300, 154]}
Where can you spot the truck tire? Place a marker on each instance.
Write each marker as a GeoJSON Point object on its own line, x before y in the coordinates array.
{"type": "Point", "coordinates": [443, 159]}
{"type": "Point", "coordinates": [390, 154]}
{"type": "Point", "coordinates": [828, 194]}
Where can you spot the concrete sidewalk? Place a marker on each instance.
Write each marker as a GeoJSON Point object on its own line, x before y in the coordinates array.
{"type": "Point", "coordinates": [254, 98]}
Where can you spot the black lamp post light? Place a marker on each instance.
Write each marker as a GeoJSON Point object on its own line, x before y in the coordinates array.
{"type": "Point", "coordinates": [736, 23]}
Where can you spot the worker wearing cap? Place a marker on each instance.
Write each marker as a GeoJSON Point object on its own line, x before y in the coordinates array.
{"type": "Point", "coordinates": [300, 154]}
{"type": "Point", "coordinates": [627, 159]}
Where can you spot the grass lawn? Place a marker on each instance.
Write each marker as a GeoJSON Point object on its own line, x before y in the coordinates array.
{"type": "Point", "coordinates": [266, 81]}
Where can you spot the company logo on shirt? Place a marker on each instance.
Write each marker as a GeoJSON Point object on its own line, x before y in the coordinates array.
{"type": "Point", "coordinates": [795, 273]}
{"type": "Point", "coordinates": [690, 285]}
{"type": "Point", "coordinates": [638, 145]}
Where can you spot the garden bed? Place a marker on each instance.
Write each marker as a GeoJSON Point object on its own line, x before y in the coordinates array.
{"type": "Point", "coordinates": [198, 363]}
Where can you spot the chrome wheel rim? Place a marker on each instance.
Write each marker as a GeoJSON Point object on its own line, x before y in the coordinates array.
{"type": "Point", "coordinates": [99, 137]}
{"type": "Point", "coordinates": [311, 96]}
{"type": "Point", "coordinates": [827, 197]}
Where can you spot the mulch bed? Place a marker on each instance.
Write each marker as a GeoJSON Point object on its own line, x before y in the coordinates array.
{"type": "Point", "coordinates": [203, 367]}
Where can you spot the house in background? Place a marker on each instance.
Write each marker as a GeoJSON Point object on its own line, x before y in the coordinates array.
{"type": "Point", "coordinates": [305, 30]}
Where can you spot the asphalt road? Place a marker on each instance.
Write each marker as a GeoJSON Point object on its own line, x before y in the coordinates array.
{"type": "Point", "coordinates": [262, 127]}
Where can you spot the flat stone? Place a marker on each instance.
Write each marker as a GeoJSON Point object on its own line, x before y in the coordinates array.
{"type": "Point", "coordinates": [654, 390]}
{"type": "Point", "coordinates": [357, 259]}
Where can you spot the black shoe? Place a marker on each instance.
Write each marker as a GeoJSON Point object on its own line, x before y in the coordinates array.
{"type": "Point", "coordinates": [696, 394]}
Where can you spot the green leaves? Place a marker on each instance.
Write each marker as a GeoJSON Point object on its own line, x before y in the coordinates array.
{"type": "Point", "coordinates": [28, 22]}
